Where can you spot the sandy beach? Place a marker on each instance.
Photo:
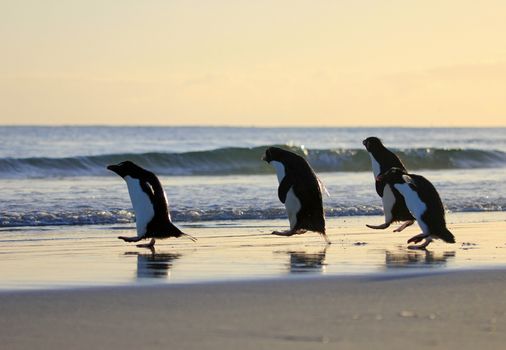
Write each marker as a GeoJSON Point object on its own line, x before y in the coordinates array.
{"type": "Point", "coordinates": [238, 286]}
{"type": "Point", "coordinates": [463, 310]}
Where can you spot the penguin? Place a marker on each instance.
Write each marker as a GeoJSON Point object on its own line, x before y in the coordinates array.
{"type": "Point", "coordinates": [152, 217]}
{"type": "Point", "coordinates": [299, 190]}
{"type": "Point", "coordinates": [394, 205]}
{"type": "Point", "coordinates": [423, 202]}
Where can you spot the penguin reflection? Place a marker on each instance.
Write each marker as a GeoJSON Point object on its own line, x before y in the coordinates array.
{"type": "Point", "coordinates": [304, 262]}
{"type": "Point", "coordinates": [153, 265]}
{"type": "Point", "coordinates": [422, 258]}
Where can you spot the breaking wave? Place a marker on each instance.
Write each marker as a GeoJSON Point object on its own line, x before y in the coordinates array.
{"type": "Point", "coordinates": [233, 160]}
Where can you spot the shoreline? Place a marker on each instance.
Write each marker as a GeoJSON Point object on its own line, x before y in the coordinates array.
{"type": "Point", "coordinates": [452, 217]}
{"type": "Point", "coordinates": [295, 279]}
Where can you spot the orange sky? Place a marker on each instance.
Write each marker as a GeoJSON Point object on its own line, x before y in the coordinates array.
{"type": "Point", "coordinates": [319, 62]}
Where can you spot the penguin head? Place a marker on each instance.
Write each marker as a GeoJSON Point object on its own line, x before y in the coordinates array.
{"type": "Point", "coordinates": [126, 168]}
{"type": "Point", "coordinates": [393, 176]}
{"type": "Point", "coordinates": [268, 155]}
{"type": "Point", "coordinates": [373, 144]}
{"type": "Point", "coordinates": [280, 155]}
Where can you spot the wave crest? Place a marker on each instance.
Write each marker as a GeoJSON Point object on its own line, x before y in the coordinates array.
{"type": "Point", "coordinates": [237, 160]}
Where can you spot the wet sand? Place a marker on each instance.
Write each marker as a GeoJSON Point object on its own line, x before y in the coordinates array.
{"type": "Point", "coordinates": [84, 256]}
{"type": "Point", "coordinates": [239, 286]}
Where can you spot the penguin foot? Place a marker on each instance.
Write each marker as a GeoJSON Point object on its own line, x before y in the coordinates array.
{"type": "Point", "coordinates": [282, 233]}
{"type": "Point", "coordinates": [404, 225]}
{"type": "Point", "coordinates": [149, 245]}
{"type": "Point", "coordinates": [130, 239]}
{"type": "Point", "coordinates": [417, 238]}
{"type": "Point", "coordinates": [288, 232]}
{"type": "Point", "coordinates": [379, 227]}
{"type": "Point", "coordinates": [421, 246]}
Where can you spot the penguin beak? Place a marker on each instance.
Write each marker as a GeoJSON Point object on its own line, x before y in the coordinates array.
{"type": "Point", "coordinates": [113, 168]}
{"type": "Point", "coordinates": [364, 143]}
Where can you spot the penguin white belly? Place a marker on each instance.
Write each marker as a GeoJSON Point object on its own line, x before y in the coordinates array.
{"type": "Point", "coordinates": [292, 205]}
{"type": "Point", "coordinates": [388, 202]}
{"type": "Point", "coordinates": [280, 170]}
{"type": "Point", "coordinates": [415, 205]}
{"type": "Point", "coordinates": [376, 169]}
{"type": "Point", "coordinates": [141, 203]}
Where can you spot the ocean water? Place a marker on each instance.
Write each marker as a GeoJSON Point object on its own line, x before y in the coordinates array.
{"type": "Point", "coordinates": [57, 176]}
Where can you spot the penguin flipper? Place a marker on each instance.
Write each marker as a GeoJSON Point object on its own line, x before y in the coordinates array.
{"type": "Point", "coordinates": [146, 188]}
{"type": "Point", "coordinates": [284, 187]}
{"type": "Point", "coordinates": [380, 186]}
{"type": "Point", "coordinates": [154, 190]}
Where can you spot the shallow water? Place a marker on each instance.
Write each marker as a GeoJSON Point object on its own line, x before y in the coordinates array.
{"type": "Point", "coordinates": [85, 256]}
{"type": "Point", "coordinates": [105, 200]}
{"type": "Point", "coordinates": [57, 175]}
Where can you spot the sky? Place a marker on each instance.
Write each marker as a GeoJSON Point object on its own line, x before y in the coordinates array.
{"type": "Point", "coordinates": [253, 63]}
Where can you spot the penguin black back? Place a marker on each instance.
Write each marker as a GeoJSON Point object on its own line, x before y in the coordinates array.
{"type": "Point", "coordinates": [154, 216]}
{"type": "Point", "coordinates": [299, 176]}
{"type": "Point", "coordinates": [431, 210]}
{"type": "Point", "coordinates": [434, 216]}
{"type": "Point", "coordinates": [385, 158]}
{"type": "Point", "coordinates": [394, 205]}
